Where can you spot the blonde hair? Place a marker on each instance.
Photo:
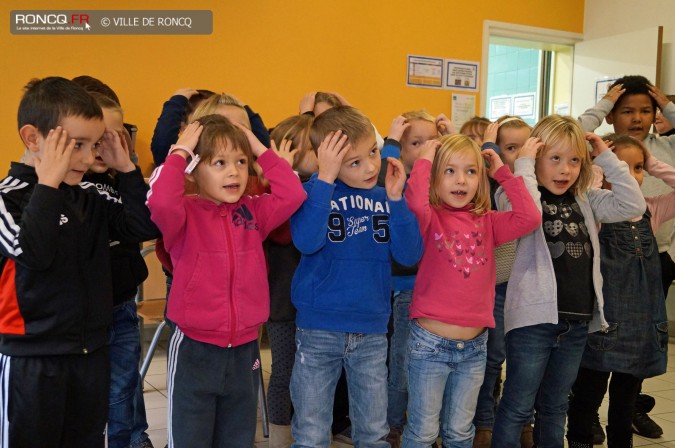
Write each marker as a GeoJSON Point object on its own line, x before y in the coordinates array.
{"type": "Point", "coordinates": [452, 145]}
{"type": "Point", "coordinates": [296, 129]}
{"type": "Point", "coordinates": [210, 105]}
{"type": "Point", "coordinates": [328, 98]}
{"type": "Point", "coordinates": [556, 128]}
{"type": "Point", "coordinates": [420, 114]}
{"type": "Point", "coordinates": [475, 124]}
{"type": "Point", "coordinates": [350, 120]}
{"type": "Point", "coordinates": [511, 122]}
{"type": "Point", "coordinates": [105, 102]}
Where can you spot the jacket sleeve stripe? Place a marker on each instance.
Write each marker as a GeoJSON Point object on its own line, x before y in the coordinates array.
{"type": "Point", "coordinates": [9, 231]}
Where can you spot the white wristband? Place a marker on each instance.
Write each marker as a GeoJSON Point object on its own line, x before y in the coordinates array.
{"type": "Point", "coordinates": [194, 157]}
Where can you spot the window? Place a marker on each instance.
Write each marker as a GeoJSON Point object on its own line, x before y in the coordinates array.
{"type": "Point", "coordinates": [528, 73]}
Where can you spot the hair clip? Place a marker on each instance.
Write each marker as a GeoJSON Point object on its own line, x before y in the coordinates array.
{"type": "Point", "coordinates": [192, 165]}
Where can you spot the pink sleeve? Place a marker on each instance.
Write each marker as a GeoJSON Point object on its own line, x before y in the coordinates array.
{"type": "Point", "coordinates": [417, 193]}
{"type": "Point", "coordinates": [166, 196]}
{"type": "Point", "coordinates": [285, 197]}
{"type": "Point", "coordinates": [524, 215]}
{"type": "Point", "coordinates": [661, 207]}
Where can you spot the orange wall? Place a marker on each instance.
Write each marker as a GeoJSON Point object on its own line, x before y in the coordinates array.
{"type": "Point", "coordinates": [268, 53]}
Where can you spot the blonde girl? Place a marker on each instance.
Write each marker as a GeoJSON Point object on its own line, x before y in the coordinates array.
{"type": "Point", "coordinates": [554, 296]}
{"type": "Point", "coordinates": [453, 297]}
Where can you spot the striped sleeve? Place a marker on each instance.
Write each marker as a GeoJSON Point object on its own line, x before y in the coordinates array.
{"type": "Point", "coordinates": [29, 222]}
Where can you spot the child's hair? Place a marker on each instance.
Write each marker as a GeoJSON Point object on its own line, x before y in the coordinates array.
{"type": "Point", "coordinates": [511, 122]}
{"type": "Point", "coordinates": [211, 104]}
{"type": "Point", "coordinates": [91, 84]}
{"type": "Point", "coordinates": [555, 128]}
{"type": "Point", "coordinates": [48, 101]}
{"type": "Point", "coordinates": [196, 99]}
{"type": "Point", "coordinates": [452, 145]}
{"type": "Point", "coordinates": [350, 120]}
{"type": "Point", "coordinates": [634, 85]}
{"type": "Point", "coordinates": [296, 129]}
{"type": "Point", "coordinates": [623, 140]}
{"type": "Point", "coordinates": [106, 102]}
{"type": "Point", "coordinates": [219, 133]}
{"type": "Point", "coordinates": [475, 124]}
{"type": "Point", "coordinates": [328, 98]}
{"type": "Point", "coordinates": [420, 114]}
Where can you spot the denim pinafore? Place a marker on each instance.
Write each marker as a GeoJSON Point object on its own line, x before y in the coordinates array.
{"type": "Point", "coordinates": [636, 341]}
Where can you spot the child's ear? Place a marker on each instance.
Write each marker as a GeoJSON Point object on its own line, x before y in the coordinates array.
{"type": "Point", "coordinates": [609, 118]}
{"type": "Point", "coordinates": [29, 135]}
{"type": "Point", "coordinates": [191, 178]}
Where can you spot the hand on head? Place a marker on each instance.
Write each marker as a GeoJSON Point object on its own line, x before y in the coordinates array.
{"type": "Point", "coordinates": [257, 148]}
{"type": "Point", "coordinates": [491, 131]}
{"type": "Point", "coordinates": [190, 137]}
{"type": "Point", "coordinates": [428, 150]}
{"type": "Point", "coordinates": [661, 99]}
{"type": "Point", "coordinates": [531, 148]}
{"type": "Point", "coordinates": [187, 92]}
{"type": "Point", "coordinates": [53, 164]}
{"type": "Point", "coordinates": [115, 153]}
{"type": "Point", "coordinates": [307, 103]}
{"type": "Point", "coordinates": [494, 162]}
{"type": "Point", "coordinates": [285, 150]}
{"type": "Point", "coordinates": [330, 154]}
{"type": "Point", "coordinates": [444, 125]}
{"type": "Point", "coordinates": [394, 181]}
{"type": "Point", "coordinates": [597, 144]}
{"type": "Point", "coordinates": [398, 127]}
{"type": "Point", "coordinates": [614, 93]}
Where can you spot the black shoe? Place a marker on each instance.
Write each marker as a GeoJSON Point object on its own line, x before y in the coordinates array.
{"type": "Point", "coordinates": [644, 403]}
{"type": "Point", "coordinates": [598, 433]}
{"type": "Point", "coordinates": [644, 426]}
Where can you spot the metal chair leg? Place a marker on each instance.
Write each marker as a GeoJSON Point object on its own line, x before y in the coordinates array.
{"type": "Point", "coordinates": [151, 349]}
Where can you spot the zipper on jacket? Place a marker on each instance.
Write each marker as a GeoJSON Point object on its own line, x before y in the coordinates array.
{"type": "Point", "coordinates": [230, 255]}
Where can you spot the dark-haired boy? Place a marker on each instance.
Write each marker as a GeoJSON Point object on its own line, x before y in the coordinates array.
{"type": "Point", "coordinates": [55, 283]}
{"type": "Point", "coordinates": [347, 230]}
{"type": "Point", "coordinates": [630, 106]}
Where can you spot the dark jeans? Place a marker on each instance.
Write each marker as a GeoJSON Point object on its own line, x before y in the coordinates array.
{"type": "Point", "coordinates": [213, 393]}
{"type": "Point", "coordinates": [542, 362]}
{"type": "Point", "coordinates": [496, 353]}
{"type": "Point", "coordinates": [588, 391]}
{"type": "Point", "coordinates": [126, 392]}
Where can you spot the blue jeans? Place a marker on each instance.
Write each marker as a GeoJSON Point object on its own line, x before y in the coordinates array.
{"type": "Point", "coordinates": [125, 386]}
{"type": "Point", "coordinates": [319, 358]}
{"type": "Point", "coordinates": [444, 377]}
{"type": "Point", "coordinates": [398, 361]}
{"type": "Point", "coordinates": [496, 353]}
{"type": "Point", "coordinates": [542, 362]}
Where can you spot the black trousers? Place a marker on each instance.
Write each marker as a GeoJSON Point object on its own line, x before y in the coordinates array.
{"type": "Point", "coordinates": [55, 401]}
{"type": "Point", "coordinates": [587, 394]}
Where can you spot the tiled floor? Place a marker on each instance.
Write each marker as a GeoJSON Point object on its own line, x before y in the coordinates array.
{"type": "Point", "coordinates": [662, 388]}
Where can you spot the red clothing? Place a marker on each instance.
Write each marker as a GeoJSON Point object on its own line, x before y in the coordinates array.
{"type": "Point", "coordinates": [456, 277]}
{"type": "Point", "coordinates": [219, 293]}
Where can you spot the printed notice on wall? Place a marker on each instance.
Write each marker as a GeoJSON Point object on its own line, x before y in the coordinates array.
{"type": "Point", "coordinates": [463, 109]}
{"type": "Point", "coordinates": [500, 105]}
{"type": "Point", "coordinates": [524, 105]}
{"type": "Point", "coordinates": [425, 72]}
{"type": "Point", "coordinates": [461, 75]}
